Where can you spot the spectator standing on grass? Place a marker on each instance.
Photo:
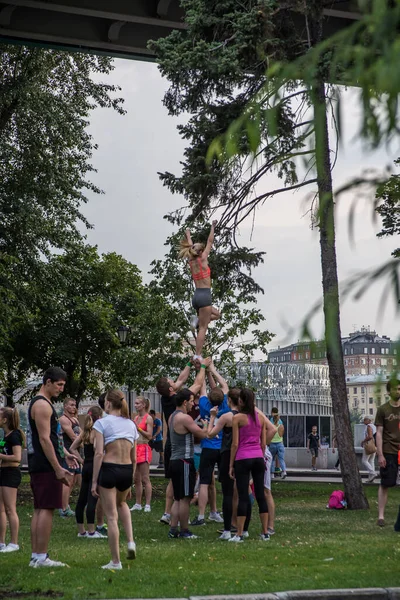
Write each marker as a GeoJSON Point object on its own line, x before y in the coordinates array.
{"type": "Point", "coordinates": [86, 498]}
{"type": "Point", "coordinates": [10, 476]}
{"type": "Point", "coordinates": [45, 459]}
{"type": "Point", "coordinates": [313, 445]}
{"type": "Point", "coordinates": [387, 421]}
{"type": "Point", "coordinates": [113, 470]}
{"type": "Point", "coordinates": [276, 446]}
{"type": "Point", "coordinates": [267, 490]}
{"type": "Point", "coordinates": [182, 428]}
{"type": "Point", "coordinates": [156, 442]}
{"type": "Point", "coordinates": [71, 430]}
{"type": "Point", "coordinates": [144, 425]}
{"type": "Point", "coordinates": [368, 460]}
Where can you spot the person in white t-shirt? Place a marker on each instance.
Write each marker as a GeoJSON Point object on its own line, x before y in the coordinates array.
{"type": "Point", "coordinates": [113, 470]}
{"type": "Point", "coordinates": [368, 460]}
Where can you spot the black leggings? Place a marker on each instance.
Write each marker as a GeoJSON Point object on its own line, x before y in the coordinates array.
{"type": "Point", "coordinates": [85, 496]}
{"type": "Point", "coordinates": [243, 469]}
{"type": "Point", "coordinates": [227, 485]}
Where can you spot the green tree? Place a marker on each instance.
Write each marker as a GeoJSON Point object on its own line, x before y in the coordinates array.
{"type": "Point", "coordinates": [217, 70]}
{"type": "Point", "coordinates": [46, 98]}
{"type": "Point", "coordinates": [388, 198]}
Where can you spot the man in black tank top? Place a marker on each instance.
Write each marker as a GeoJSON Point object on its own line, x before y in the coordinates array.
{"type": "Point", "coordinates": [45, 455]}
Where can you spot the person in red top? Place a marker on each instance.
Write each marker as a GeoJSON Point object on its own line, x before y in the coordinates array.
{"type": "Point", "coordinates": [197, 256]}
{"type": "Point", "coordinates": [144, 424]}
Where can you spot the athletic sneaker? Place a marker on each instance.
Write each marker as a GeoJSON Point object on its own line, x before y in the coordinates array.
{"type": "Point", "coordinates": [271, 531]}
{"type": "Point", "coordinates": [236, 539]}
{"type": "Point", "coordinates": [215, 516]}
{"type": "Point", "coordinates": [226, 535]}
{"type": "Point", "coordinates": [10, 548]}
{"type": "Point", "coordinates": [197, 521]}
{"type": "Point", "coordinates": [245, 534]}
{"type": "Point", "coordinates": [83, 535]}
{"type": "Point", "coordinates": [380, 523]}
{"type": "Point", "coordinates": [136, 507]}
{"type": "Point", "coordinates": [113, 566]}
{"type": "Point", "coordinates": [283, 475]}
{"type": "Point", "coordinates": [194, 321]}
{"type": "Point", "coordinates": [166, 519]}
{"type": "Point", "coordinates": [66, 513]}
{"type": "Point", "coordinates": [147, 508]}
{"type": "Point", "coordinates": [32, 562]}
{"type": "Point", "coordinates": [47, 562]}
{"type": "Point", "coordinates": [372, 477]}
{"type": "Point", "coordinates": [173, 535]}
{"type": "Point", "coordinates": [131, 551]}
{"type": "Point", "coordinates": [96, 535]}
{"type": "Point", "coordinates": [103, 530]}
{"type": "Point", "coordinates": [188, 535]}
{"type": "Point", "coordinates": [264, 537]}
{"type": "Point", "coordinates": [2, 546]}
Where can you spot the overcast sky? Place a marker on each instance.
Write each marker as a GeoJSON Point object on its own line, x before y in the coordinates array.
{"type": "Point", "coordinates": [128, 218]}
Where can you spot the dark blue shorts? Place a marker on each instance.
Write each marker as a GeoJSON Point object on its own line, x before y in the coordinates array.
{"type": "Point", "coordinates": [201, 298]}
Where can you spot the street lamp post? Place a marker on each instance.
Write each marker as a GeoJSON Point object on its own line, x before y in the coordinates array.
{"type": "Point", "coordinates": [123, 332]}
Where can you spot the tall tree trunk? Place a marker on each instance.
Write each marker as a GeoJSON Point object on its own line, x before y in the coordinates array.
{"type": "Point", "coordinates": [351, 477]}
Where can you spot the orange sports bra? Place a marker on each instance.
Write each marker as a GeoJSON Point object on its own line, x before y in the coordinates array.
{"type": "Point", "coordinates": [202, 273]}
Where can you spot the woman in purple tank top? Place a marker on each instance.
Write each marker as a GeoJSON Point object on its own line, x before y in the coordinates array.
{"type": "Point", "coordinates": [251, 431]}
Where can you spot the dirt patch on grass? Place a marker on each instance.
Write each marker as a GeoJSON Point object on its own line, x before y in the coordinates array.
{"type": "Point", "coordinates": [34, 594]}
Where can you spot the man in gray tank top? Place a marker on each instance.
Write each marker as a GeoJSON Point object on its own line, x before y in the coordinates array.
{"type": "Point", "coordinates": [182, 469]}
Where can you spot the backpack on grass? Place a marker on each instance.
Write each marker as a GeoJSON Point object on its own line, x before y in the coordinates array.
{"type": "Point", "coordinates": [337, 500]}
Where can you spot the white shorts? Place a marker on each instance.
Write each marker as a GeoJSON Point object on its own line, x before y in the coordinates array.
{"type": "Point", "coordinates": [268, 462]}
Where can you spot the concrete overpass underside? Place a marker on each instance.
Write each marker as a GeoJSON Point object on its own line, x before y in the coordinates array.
{"type": "Point", "coordinates": [120, 28]}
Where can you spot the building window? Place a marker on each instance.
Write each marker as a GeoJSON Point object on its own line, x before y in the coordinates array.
{"type": "Point", "coordinates": [345, 351]}
{"type": "Point", "coordinates": [363, 411]}
{"type": "Point", "coordinates": [371, 400]}
{"type": "Point", "coordinates": [355, 390]}
{"type": "Point", "coordinates": [365, 350]}
{"type": "Point", "coordinates": [352, 351]}
{"type": "Point", "coordinates": [371, 411]}
{"type": "Point", "coordinates": [387, 350]}
{"type": "Point", "coordinates": [395, 351]}
{"type": "Point", "coordinates": [382, 350]}
{"type": "Point", "coordinates": [373, 350]}
{"type": "Point", "coordinates": [362, 389]}
{"type": "Point", "coordinates": [394, 362]}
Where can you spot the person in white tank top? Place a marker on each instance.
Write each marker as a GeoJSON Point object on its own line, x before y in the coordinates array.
{"type": "Point", "coordinates": [368, 460]}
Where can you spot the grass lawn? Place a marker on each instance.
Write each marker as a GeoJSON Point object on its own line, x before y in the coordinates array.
{"type": "Point", "coordinates": [312, 548]}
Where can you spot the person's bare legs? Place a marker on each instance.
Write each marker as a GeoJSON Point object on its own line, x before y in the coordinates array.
{"type": "Point", "coordinates": [169, 498]}
{"type": "Point", "coordinates": [271, 508]}
{"type": "Point", "coordinates": [10, 505]}
{"type": "Point", "coordinates": [3, 519]}
{"type": "Point", "coordinates": [184, 508]}
{"type": "Point", "coordinates": [146, 483]}
{"type": "Point", "coordinates": [382, 500]}
{"type": "Point", "coordinates": [138, 484]}
{"type": "Point", "coordinates": [212, 495]}
{"type": "Point", "coordinates": [215, 314]}
{"type": "Point", "coordinates": [109, 501]}
{"type": "Point", "coordinates": [204, 319]}
{"type": "Point", "coordinates": [203, 497]}
{"type": "Point", "coordinates": [175, 514]}
{"type": "Point", "coordinates": [124, 514]}
{"type": "Point", "coordinates": [41, 525]}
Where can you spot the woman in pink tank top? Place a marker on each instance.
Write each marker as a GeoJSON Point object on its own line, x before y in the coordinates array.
{"type": "Point", "coordinates": [251, 431]}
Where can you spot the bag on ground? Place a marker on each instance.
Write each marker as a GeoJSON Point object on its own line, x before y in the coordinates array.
{"type": "Point", "coordinates": [337, 500]}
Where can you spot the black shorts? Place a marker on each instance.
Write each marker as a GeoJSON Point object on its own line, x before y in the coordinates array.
{"type": "Point", "coordinates": [314, 452]}
{"type": "Point", "coordinates": [116, 476]}
{"type": "Point", "coordinates": [10, 477]}
{"type": "Point", "coordinates": [208, 458]}
{"type": "Point", "coordinates": [389, 473]}
{"type": "Point", "coordinates": [201, 298]}
{"type": "Point", "coordinates": [167, 458]}
{"type": "Point", "coordinates": [47, 490]}
{"type": "Point", "coordinates": [156, 445]}
{"type": "Point", "coordinates": [77, 471]}
{"type": "Point", "coordinates": [183, 477]}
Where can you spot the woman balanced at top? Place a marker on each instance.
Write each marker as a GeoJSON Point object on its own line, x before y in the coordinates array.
{"type": "Point", "coordinates": [197, 255]}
